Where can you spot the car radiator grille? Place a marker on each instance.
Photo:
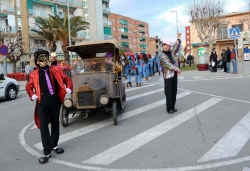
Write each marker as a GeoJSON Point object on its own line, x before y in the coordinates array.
{"type": "Point", "coordinates": [86, 98]}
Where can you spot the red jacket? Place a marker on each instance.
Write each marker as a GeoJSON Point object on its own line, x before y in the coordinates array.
{"type": "Point", "coordinates": [33, 86]}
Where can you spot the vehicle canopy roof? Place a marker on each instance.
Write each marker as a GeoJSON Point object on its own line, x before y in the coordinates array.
{"type": "Point", "coordinates": [89, 49]}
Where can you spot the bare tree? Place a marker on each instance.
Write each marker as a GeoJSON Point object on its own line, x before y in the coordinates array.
{"type": "Point", "coordinates": [16, 50]}
{"type": "Point", "coordinates": [246, 21]}
{"type": "Point", "coordinates": [205, 15]}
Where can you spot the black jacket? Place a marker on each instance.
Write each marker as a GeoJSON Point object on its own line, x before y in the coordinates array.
{"type": "Point", "coordinates": [228, 56]}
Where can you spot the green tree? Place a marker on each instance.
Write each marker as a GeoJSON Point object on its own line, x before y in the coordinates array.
{"type": "Point", "coordinates": [46, 29]}
{"type": "Point", "coordinates": [62, 32]}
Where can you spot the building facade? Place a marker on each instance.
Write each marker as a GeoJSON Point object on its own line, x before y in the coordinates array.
{"type": "Point", "coordinates": [222, 40]}
{"type": "Point", "coordinates": [131, 34]}
{"type": "Point", "coordinates": [155, 44]}
{"type": "Point", "coordinates": [22, 15]}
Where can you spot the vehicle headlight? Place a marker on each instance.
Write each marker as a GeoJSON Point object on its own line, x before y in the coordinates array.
{"type": "Point", "coordinates": [68, 103]}
{"type": "Point", "coordinates": [104, 99]}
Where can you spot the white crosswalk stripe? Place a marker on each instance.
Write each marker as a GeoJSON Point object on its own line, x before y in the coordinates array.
{"type": "Point", "coordinates": [229, 146]}
{"type": "Point", "coordinates": [74, 134]}
{"type": "Point", "coordinates": [181, 77]}
{"type": "Point", "coordinates": [197, 77]}
{"type": "Point", "coordinates": [111, 155]}
{"type": "Point", "coordinates": [246, 169]}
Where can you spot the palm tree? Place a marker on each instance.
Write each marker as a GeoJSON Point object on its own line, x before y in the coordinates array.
{"type": "Point", "coordinates": [47, 31]}
{"type": "Point", "coordinates": [61, 27]}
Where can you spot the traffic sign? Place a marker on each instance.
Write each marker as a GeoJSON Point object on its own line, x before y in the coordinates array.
{"type": "Point", "coordinates": [234, 33]}
{"type": "Point", "coordinates": [4, 50]}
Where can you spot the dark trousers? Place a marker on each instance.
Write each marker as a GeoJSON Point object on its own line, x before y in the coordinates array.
{"type": "Point", "coordinates": [49, 109]}
{"type": "Point", "coordinates": [28, 77]}
{"type": "Point", "coordinates": [225, 66]}
{"type": "Point", "coordinates": [171, 91]}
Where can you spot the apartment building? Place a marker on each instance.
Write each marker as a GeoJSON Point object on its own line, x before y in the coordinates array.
{"type": "Point", "coordinates": [23, 14]}
{"type": "Point", "coordinates": [130, 33]}
{"type": "Point", "coordinates": [155, 44]}
{"type": "Point", "coordinates": [223, 40]}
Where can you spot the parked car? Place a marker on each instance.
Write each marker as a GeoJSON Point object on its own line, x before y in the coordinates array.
{"type": "Point", "coordinates": [9, 87]}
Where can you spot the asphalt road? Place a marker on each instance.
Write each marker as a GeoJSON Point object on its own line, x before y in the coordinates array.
{"type": "Point", "coordinates": [210, 131]}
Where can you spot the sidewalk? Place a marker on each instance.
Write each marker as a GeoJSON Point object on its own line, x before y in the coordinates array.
{"type": "Point", "coordinates": [219, 72]}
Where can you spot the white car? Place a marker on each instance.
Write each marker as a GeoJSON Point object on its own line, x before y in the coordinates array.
{"type": "Point", "coordinates": [9, 87]}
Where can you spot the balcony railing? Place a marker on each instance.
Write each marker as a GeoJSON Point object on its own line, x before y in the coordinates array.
{"type": "Point", "coordinates": [6, 9]}
{"type": "Point", "coordinates": [80, 35]}
{"type": "Point", "coordinates": [106, 10]}
{"type": "Point", "coordinates": [107, 23]}
{"type": "Point", "coordinates": [107, 37]}
{"type": "Point", "coordinates": [6, 29]}
{"type": "Point", "coordinates": [71, 2]}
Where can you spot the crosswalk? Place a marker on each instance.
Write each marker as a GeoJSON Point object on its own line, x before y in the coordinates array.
{"type": "Point", "coordinates": [225, 147]}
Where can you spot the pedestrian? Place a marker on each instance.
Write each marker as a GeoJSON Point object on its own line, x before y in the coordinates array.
{"type": "Point", "coordinates": [138, 70]}
{"type": "Point", "coordinates": [53, 58]}
{"type": "Point", "coordinates": [150, 65]}
{"type": "Point", "coordinates": [128, 69]}
{"type": "Point", "coordinates": [28, 71]}
{"type": "Point", "coordinates": [145, 67]}
{"type": "Point", "coordinates": [213, 61]}
{"type": "Point", "coordinates": [189, 59]}
{"type": "Point", "coordinates": [48, 85]}
{"type": "Point", "coordinates": [228, 59]}
{"type": "Point", "coordinates": [157, 63]}
{"type": "Point", "coordinates": [233, 59]}
{"type": "Point", "coordinates": [170, 71]}
{"type": "Point", "coordinates": [224, 59]}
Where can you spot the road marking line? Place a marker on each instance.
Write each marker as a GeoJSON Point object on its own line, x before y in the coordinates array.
{"type": "Point", "coordinates": [111, 155]}
{"type": "Point", "coordinates": [246, 169]}
{"type": "Point", "coordinates": [82, 131]}
{"type": "Point", "coordinates": [128, 99]}
{"type": "Point", "coordinates": [197, 77]}
{"type": "Point", "coordinates": [181, 77]}
{"type": "Point", "coordinates": [136, 88]}
{"type": "Point", "coordinates": [230, 144]}
{"type": "Point", "coordinates": [217, 76]}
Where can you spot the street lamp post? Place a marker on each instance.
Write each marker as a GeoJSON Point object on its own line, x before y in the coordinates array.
{"type": "Point", "coordinates": [70, 53]}
{"type": "Point", "coordinates": [177, 31]}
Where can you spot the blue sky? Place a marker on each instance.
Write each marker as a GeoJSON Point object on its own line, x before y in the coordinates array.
{"type": "Point", "coordinates": [157, 13]}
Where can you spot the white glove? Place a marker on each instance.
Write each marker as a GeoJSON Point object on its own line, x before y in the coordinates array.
{"type": "Point", "coordinates": [34, 97]}
{"type": "Point", "coordinates": [68, 91]}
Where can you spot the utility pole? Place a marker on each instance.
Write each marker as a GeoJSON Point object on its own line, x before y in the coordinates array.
{"type": "Point", "coordinates": [70, 53]}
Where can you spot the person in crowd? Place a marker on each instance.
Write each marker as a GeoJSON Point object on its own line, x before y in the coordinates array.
{"type": "Point", "coordinates": [189, 59]}
{"type": "Point", "coordinates": [213, 61]}
{"type": "Point", "coordinates": [228, 59]}
{"type": "Point", "coordinates": [48, 85]}
{"type": "Point", "coordinates": [224, 59]}
{"type": "Point", "coordinates": [145, 67]}
{"type": "Point", "coordinates": [53, 58]}
{"type": "Point", "coordinates": [28, 70]}
{"type": "Point", "coordinates": [128, 69]}
{"type": "Point", "coordinates": [233, 59]}
{"type": "Point", "coordinates": [170, 71]}
{"type": "Point", "coordinates": [157, 63]}
{"type": "Point", "coordinates": [138, 70]}
{"type": "Point", "coordinates": [150, 65]}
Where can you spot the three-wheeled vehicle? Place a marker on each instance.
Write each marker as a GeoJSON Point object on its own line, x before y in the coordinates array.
{"type": "Point", "coordinates": [97, 84]}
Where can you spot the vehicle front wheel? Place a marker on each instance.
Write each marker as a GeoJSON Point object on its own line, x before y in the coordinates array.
{"type": "Point", "coordinates": [64, 116]}
{"type": "Point", "coordinates": [11, 93]}
{"type": "Point", "coordinates": [115, 117]}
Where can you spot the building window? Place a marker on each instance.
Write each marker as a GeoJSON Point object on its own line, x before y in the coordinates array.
{"type": "Point", "coordinates": [113, 20]}
{"type": "Point", "coordinates": [222, 32]}
{"type": "Point", "coordinates": [187, 37]}
{"type": "Point", "coordinates": [124, 22]}
{"type": "Point", "coordinates": [187, 31]}
{"type": "Point", "coordinates": [86, 33]}
{"type": "Point", "coordinates": [85, 3]}
{"type": "Point", "coordinates": [86, 17]}
{"type": "Point", "coordinates": [240, 26]}
{"type": "Point", "coordinates": [113, 28]}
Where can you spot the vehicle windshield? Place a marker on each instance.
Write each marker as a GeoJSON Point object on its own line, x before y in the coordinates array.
{"type": "Point", "coordinates": [103, 64]}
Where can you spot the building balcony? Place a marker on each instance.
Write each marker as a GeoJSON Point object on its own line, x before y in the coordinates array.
{"type": "Point", "coordinates": [107, 1]}
{"type": "Point", "coordinates": [5, 9]}
{"type": "Point", "coordinates": [107, 23]}
{"type": "Point", "coordinates": [107, 37]}
{"type": "Point", "coordinates": [106, 11]}
{"type": "Point", "coordinates": [80, 35]}
{"type": "Point", "coordinates": [73, 3]}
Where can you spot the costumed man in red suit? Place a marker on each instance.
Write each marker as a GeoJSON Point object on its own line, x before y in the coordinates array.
{"type": "Point", "coordinates": [46, 86]}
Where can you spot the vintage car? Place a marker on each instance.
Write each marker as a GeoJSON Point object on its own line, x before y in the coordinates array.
{"type": "Point", "coordinates": [97, 84]}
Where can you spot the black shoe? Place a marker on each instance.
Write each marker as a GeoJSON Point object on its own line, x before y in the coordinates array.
{"type": "Point", "coordinates": [58, 150]}
{"type": "Point", "coordinates": [175, 110]}
{"type": "Point", "coordinates": [44, 159]}
{"type": "Point", "coordinates": [170, 111]}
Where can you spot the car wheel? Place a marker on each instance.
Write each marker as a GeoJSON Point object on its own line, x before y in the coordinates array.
{"type": "Point", "coordinates": [64, 116]}
{"type": "Point", "coordinates": [11, 93]}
